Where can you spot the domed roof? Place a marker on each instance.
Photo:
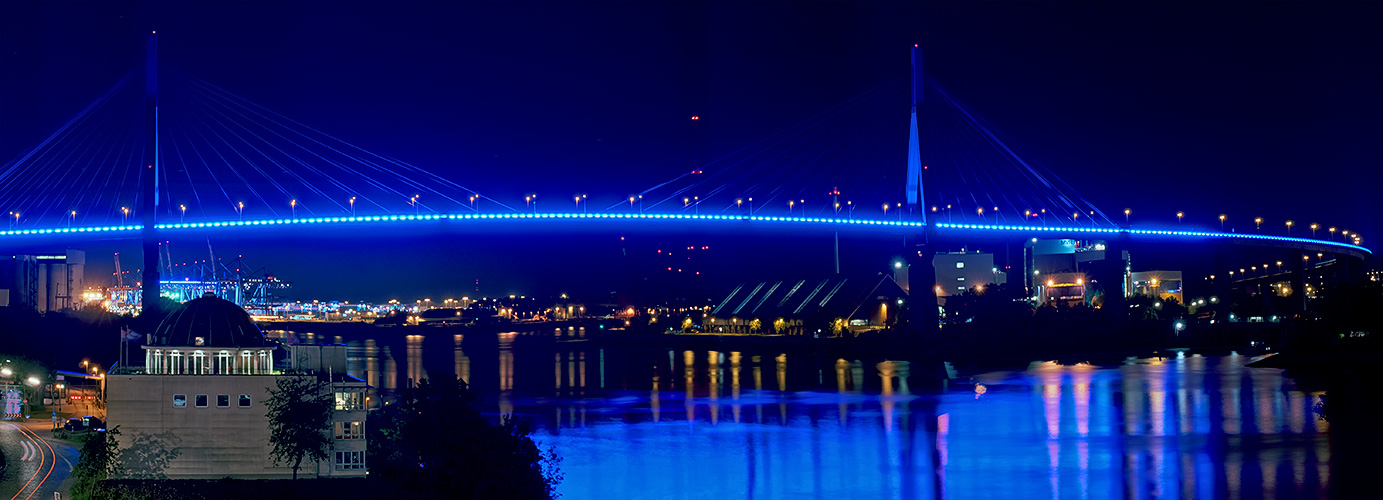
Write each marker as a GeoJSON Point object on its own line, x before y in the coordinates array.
{"type": "Point", "coordinates": [208, 322]}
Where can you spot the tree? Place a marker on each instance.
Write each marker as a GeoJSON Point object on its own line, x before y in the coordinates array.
{"type": "Point", "coordinates": [100, 460]}
{"type": "Point", "coordinates": [299, 410]}
{"type": "Point", "coordinates": [432, 441]}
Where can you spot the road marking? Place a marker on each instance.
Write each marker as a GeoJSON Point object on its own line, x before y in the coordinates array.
{"type": "Point", "coordinates": [27, 451]}
{"type": "Point", "coordinates": [42, 460]}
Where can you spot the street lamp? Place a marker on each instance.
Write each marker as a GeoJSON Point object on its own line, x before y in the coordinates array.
{"type": "Point", "coordinates": [850, 209]}
{"type": "Point", "coordinates": [293, 204]}
{"type": "Point", "coordinates": [414, 201]}
{"type": "Point", "coordinates": [1179, 216]}
{"type": "Point", "coordinates": [1126, 213]}
{"type": "Point", "coordinates": [794, 202]}
{"type": "Point", "coordinates": [1257, 223]}
{"type": "Point", "coordinates": [1332, 234]}
{"type": "Point", "coordinates": [473, 197]}
{"type": "Point", "coordinates": [124, 216]}
{"type": "Point", "coordinates": [240, 209]}
{"type": "Point", "coordinates": [1222, 223]}
{"type": "Point", "coordinates": [1314, 226]}
{"type": "Point", "coordinates": [1289, 228]}
{"type": "Point", "coordinates": [886, 210]}
{"type": "Point", "coordinates": [352, 206]}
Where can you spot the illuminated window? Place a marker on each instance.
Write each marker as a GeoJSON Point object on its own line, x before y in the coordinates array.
{"type": "Point", "coordinates": [350, 430]}
{"type": "Point", "coordinates": [349, 401]}
{"type": "Point", "coordinates": [960, 278]}
{"type": "Point", "coordinates": [960, 288]}
{"type": "Point", "coordinates": [180, 401]}
{"type": "Point", "coordinates": [350, 460]}
{"type": "Point", "coordinates": [960, 265]}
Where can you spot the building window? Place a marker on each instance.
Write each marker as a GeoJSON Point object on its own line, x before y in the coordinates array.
{"type": "Point", "coordinates": [960, 265]}
{"type": "Point", "coordinates": [350, 430]}
{"type": "Point", "coordinates": [201, 400]}
{"type": "Point", "coordinates": [244, 400]}
{"type": "Point", "coordinates": [180, 401]}
{"type": "Point", "coordinates": [175, 362]}
{"type": "Point", "coordinates": [960, 288]}
{"type": "Point", "coordinates": [245, 367]}
{"type": "Point", "coordinates": [199, 366]}
{"type": "Point", "coordinates": [350, 460]}
{"type": "Point", "coordinates": [349, 401]}
{"type": "Point", "coordinates": [223, 362]}
{"type": "Point", "coordinates": [960, 278]}
{"type": "Point", "coordinates": [223, 400]}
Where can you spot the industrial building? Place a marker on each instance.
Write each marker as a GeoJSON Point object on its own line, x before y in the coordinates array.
{"type": "Point", "coordinates": [957, 272]}
{"type": "Point", "coordinates": [199, 398]}
{"type": "Point", "coordinates": [43, 282]}
{"type": "Point", "coordinates": [1062, 271]}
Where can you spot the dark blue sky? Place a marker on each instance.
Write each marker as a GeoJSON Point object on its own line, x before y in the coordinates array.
{"type": "Point", "coordinates": [1234, 108]}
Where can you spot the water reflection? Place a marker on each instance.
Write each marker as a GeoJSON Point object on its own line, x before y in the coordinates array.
{"type": "Point", "coordinates": [1183, 427]}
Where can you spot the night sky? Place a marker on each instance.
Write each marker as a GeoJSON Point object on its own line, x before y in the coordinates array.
{"type": "Point", "coordinates": [1248, 110]}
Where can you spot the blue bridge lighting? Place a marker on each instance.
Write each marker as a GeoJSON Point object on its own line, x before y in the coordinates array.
{"type": "Point", "coordinates": [891, 226]}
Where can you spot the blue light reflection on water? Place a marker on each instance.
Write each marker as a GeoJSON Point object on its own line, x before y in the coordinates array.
{"type": "Point", "coordinates": [648, 423]}
{"type": "Point", "coordinates": [1193, 427]}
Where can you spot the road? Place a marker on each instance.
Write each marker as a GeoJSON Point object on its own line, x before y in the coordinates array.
{"type": "Point", "coordinates": [36, 466]}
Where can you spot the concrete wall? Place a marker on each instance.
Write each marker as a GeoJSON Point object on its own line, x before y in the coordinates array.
{"type": "Point", "coordinates": [211, 442]}
{"type": "Point", "coordinates": [214, 442]}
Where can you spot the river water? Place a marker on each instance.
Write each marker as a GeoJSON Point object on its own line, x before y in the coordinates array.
{"type": "Point", "coordinates": [669, 423]}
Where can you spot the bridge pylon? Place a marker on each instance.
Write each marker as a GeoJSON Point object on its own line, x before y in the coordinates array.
{"type": "Point", "coordinates": [915, 199]}
{"type": "Point", "coordinates": [150, 167]}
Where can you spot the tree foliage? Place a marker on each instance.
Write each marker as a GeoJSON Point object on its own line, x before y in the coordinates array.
{"type": "Point", "coordinates": [434, 442]}
{"type": "Point", "coordinates": [100, 460]}
{"type": "Point", "coordinates": [300, 408]}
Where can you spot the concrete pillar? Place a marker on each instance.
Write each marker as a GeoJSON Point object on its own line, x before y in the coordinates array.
{"type": "Point", "coordinates": [922, 284]}
{"type": "Point", "coordinates": [1110, 273]}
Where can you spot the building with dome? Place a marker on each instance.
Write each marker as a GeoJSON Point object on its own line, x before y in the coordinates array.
{"type": "Point", "coordinates": [199, 397]}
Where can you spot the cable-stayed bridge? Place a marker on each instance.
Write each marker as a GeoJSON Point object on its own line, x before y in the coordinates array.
{"type": "Point", "coordinates": [169, 152]}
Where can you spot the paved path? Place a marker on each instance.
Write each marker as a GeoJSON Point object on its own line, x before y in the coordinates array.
{"type": "Point", "coordinates": [37, 463]}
